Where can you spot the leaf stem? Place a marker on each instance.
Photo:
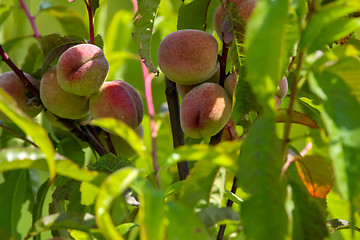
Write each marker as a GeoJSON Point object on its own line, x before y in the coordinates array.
{"type": "Point", "coordinates": [31, 19]}
{"type": "Point", "coordinates": [172, 98]}
{"type": "Point", "coordinates": [4, 57]}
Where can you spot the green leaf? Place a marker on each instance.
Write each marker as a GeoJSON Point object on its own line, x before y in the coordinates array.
{"type": "Point", "coordinates": [13, 197]}
{"type": "Point", "coordinates": [341, 113]}
{"type": "Point", "coordinates": [265, 45]}
{"type": "Point", "coordinates": [144, 24]}
{"type": "Point", "coordinates": [223, 154]}
{"type": "Point", "coordinates": [191, 226]}
{"type": "Point", "coordinates": [9, 107]}
{"type": "Point", "coordinates": [109, 190]}
{"type": "Point", "coordinates": [211, 216]}
{"type": "Point", "coordinates": [33, 60]}
{"type": "Point", "coordinates": [324, 18]}
{"type": "Point", "coordinates": [194, 14]}
{"type": "Point", "coordinates": [152, 211]}
{"type": "Point", "coordinates": [70, 20]}
{"type": "Point", "coordinates": [20, 158]}
{"type": "Point", "coordinates": [297, 117]}
{"type": "Point", "coordinates": [233, 197]}
{"type": "Point", "coordinates": [204, 185]}
{"type": "Point", "coordinates": [121, 129]}
{"type": "Point", "coordinates": [173, 188]}
{"type": "Point", "coordinates": [335, 31]}
{"type": "Point", "coordinates": [71, 149]}
{"type": "Point", "coordinates": [309, 221]}
{"type": "Point", "coordinates": [95, 5]}
{"type": "Point", "coordinates": [259, 175]}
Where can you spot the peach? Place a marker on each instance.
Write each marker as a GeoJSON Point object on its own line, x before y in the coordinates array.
{"type": "Point", "coordinates": [13, 86]}
{"type": "Point", "coordinates": [118, 99]}
{"type": "Point", "coordinates": [184, 89]}
{"type": "Point", "coordinates": [60, 102]}
{"type": "Point", "coordinates": [188, 56]}
{"type": "Point", "coordinates": [82, 69]}
{"type": "Point", "coordinates": [246, 7]}
{"type": "Point", "coordinates": [205, 110]}
{"type": "Point", "coordinates": [282, 88]}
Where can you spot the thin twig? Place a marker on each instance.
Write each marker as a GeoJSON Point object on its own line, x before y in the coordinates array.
{"type": "Point", "coordinates": [89, 8]}
{"type": "Point", "coordinates": [31, 19]}
{"type": "Point", "coordinates": [172, 98]}
{"type": "Point", "coordinates": [4, 57]}
{"type": "Point", "coordinates": [18, 135]}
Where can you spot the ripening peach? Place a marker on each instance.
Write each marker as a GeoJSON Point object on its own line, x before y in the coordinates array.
{"type": "Point", "coordinates": [188, 56]}
{"type": "Point", "coordinates": [82, 69]}
{"type": "Point", "coordinates": [60, 102]}
{"type": "Point", "coordinates": [13, 86]}
{"type": "Point", "coordinates": [118, 99]}
{"type": "Point", "coordinates": [205, 110]}
{"type": "Point", "coordinates": [282, 88]}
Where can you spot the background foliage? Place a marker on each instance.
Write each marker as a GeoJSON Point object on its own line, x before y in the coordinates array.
{"type": "Point", "coordinates": [279, 194]}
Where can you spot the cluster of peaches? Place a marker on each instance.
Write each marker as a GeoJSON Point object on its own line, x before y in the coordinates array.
{"type": "Point", "coordinates": [76, 88]}
{"type": "Point", "coordinates": [190, 59]}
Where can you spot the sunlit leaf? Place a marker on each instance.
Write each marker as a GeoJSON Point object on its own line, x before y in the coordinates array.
{"type": "Point", "coordinates": [316, 174]}
{"type": "Point", "coordinates": [231, 196]}
{"type": "Point", "coordinates": [297, 117]}
{"type": "Point", "coordinates": [144, 24]}
{"type": "Point", "coordinates": [4, 13]}
{"type": "Point", "coordinates": [111, 188]}
{"type": "Point", "coordinates": [9, 107]}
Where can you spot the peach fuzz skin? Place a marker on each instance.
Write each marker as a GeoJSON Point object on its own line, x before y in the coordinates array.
{"type": "Point", "coordinates": [82, 69]}
{"type": "Point", "coordinates": [188, 56]}
{"type": "Point", "coordinates": [60, 102]}
{"type": "Point", "coordinates": [205, 110]}
{"type": "Point", "coordinates": [118, 99]}
{"type": "Point", "coordinates": [13, 86]}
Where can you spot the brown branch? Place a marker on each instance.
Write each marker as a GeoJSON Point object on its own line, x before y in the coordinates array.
{"type": "Point", "coordinates": [172, 98]}
{"type": "Point", "coordinates": [4, 57]}
{"type": "Point", "coordinates": [31, 19]}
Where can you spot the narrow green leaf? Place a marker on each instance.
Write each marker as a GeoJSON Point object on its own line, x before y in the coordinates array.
{"type": "Point", "coordinates": [20, 158]}
{"type": "Point", "coordinates": [211, 216]}
{"type": "Point", "coordinates": [231, 196]}
{"type": "Point", "coordinates": [9, 107]}
{"type": "Point", "coordinates": [324, 18]}
{"type": "Point", "coordinates": [195, 14]}
{"type": "Point", "coordinates": [341, 117]}
{"type": "Point", "coordinates": [111, 188]}
{"type": "Point", "coordinates": [144, 25]}
{"type": "Point", "coordinates": [191, 226]}
{"type": "Point", "coordinates": [152, 211]}
{"type": "Point", "coordinates": [297, 117]}
{"type": "Point", "coordinates": [203, 178]}
{"type": "Point", "coordinates": [265, 45]}
{"type": "Point", "coordinates": [13, 196]}
{"type": "Point", "coordinates": [121, 129]}
{"type": "Point", "coordinates": [223, 154]}
{"type": "Point", "coordinates": [259, 175]}
{"type": "Point", "coordinates": [335, 31]}
{"type": "Point", "coordinates": [173, 188]}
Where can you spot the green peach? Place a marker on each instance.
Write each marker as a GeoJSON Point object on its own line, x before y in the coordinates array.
{"type": "Point", "coordinates": [60, 102]}
{"type": "Point", "coordinates": [82, 69]}
{"type": "Point", "coordinates": [188, 56]}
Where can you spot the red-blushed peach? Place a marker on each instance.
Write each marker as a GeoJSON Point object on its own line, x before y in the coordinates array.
{"type": "Point", "coordinates": [120, 145]}
{"type": "Point", "coordinates": [282, 88]}
{"type": "Point", "coordinates": [13, 86]}
{"type": "Point", "coordinates": [82, 69]}
{"type": "Point", "coordinates": [118, 99]}
{"type": "Point", "coordinates": [184, 89]}
{"type": "Point", "coordinates": [205, 110]}
{"type": "Point", "coordinates": [188, 56]}
{"type": "Point", "coordinates": [246, 7]}
{"type": "Point", "coordinates": [60, 102]}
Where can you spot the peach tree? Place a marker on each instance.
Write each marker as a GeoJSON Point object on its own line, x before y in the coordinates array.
{"type": "Point", "coordinates": [192, 119]}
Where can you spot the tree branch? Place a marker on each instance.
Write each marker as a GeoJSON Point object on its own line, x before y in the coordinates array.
{"type": "Point", "coordinates": [31, 19]}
